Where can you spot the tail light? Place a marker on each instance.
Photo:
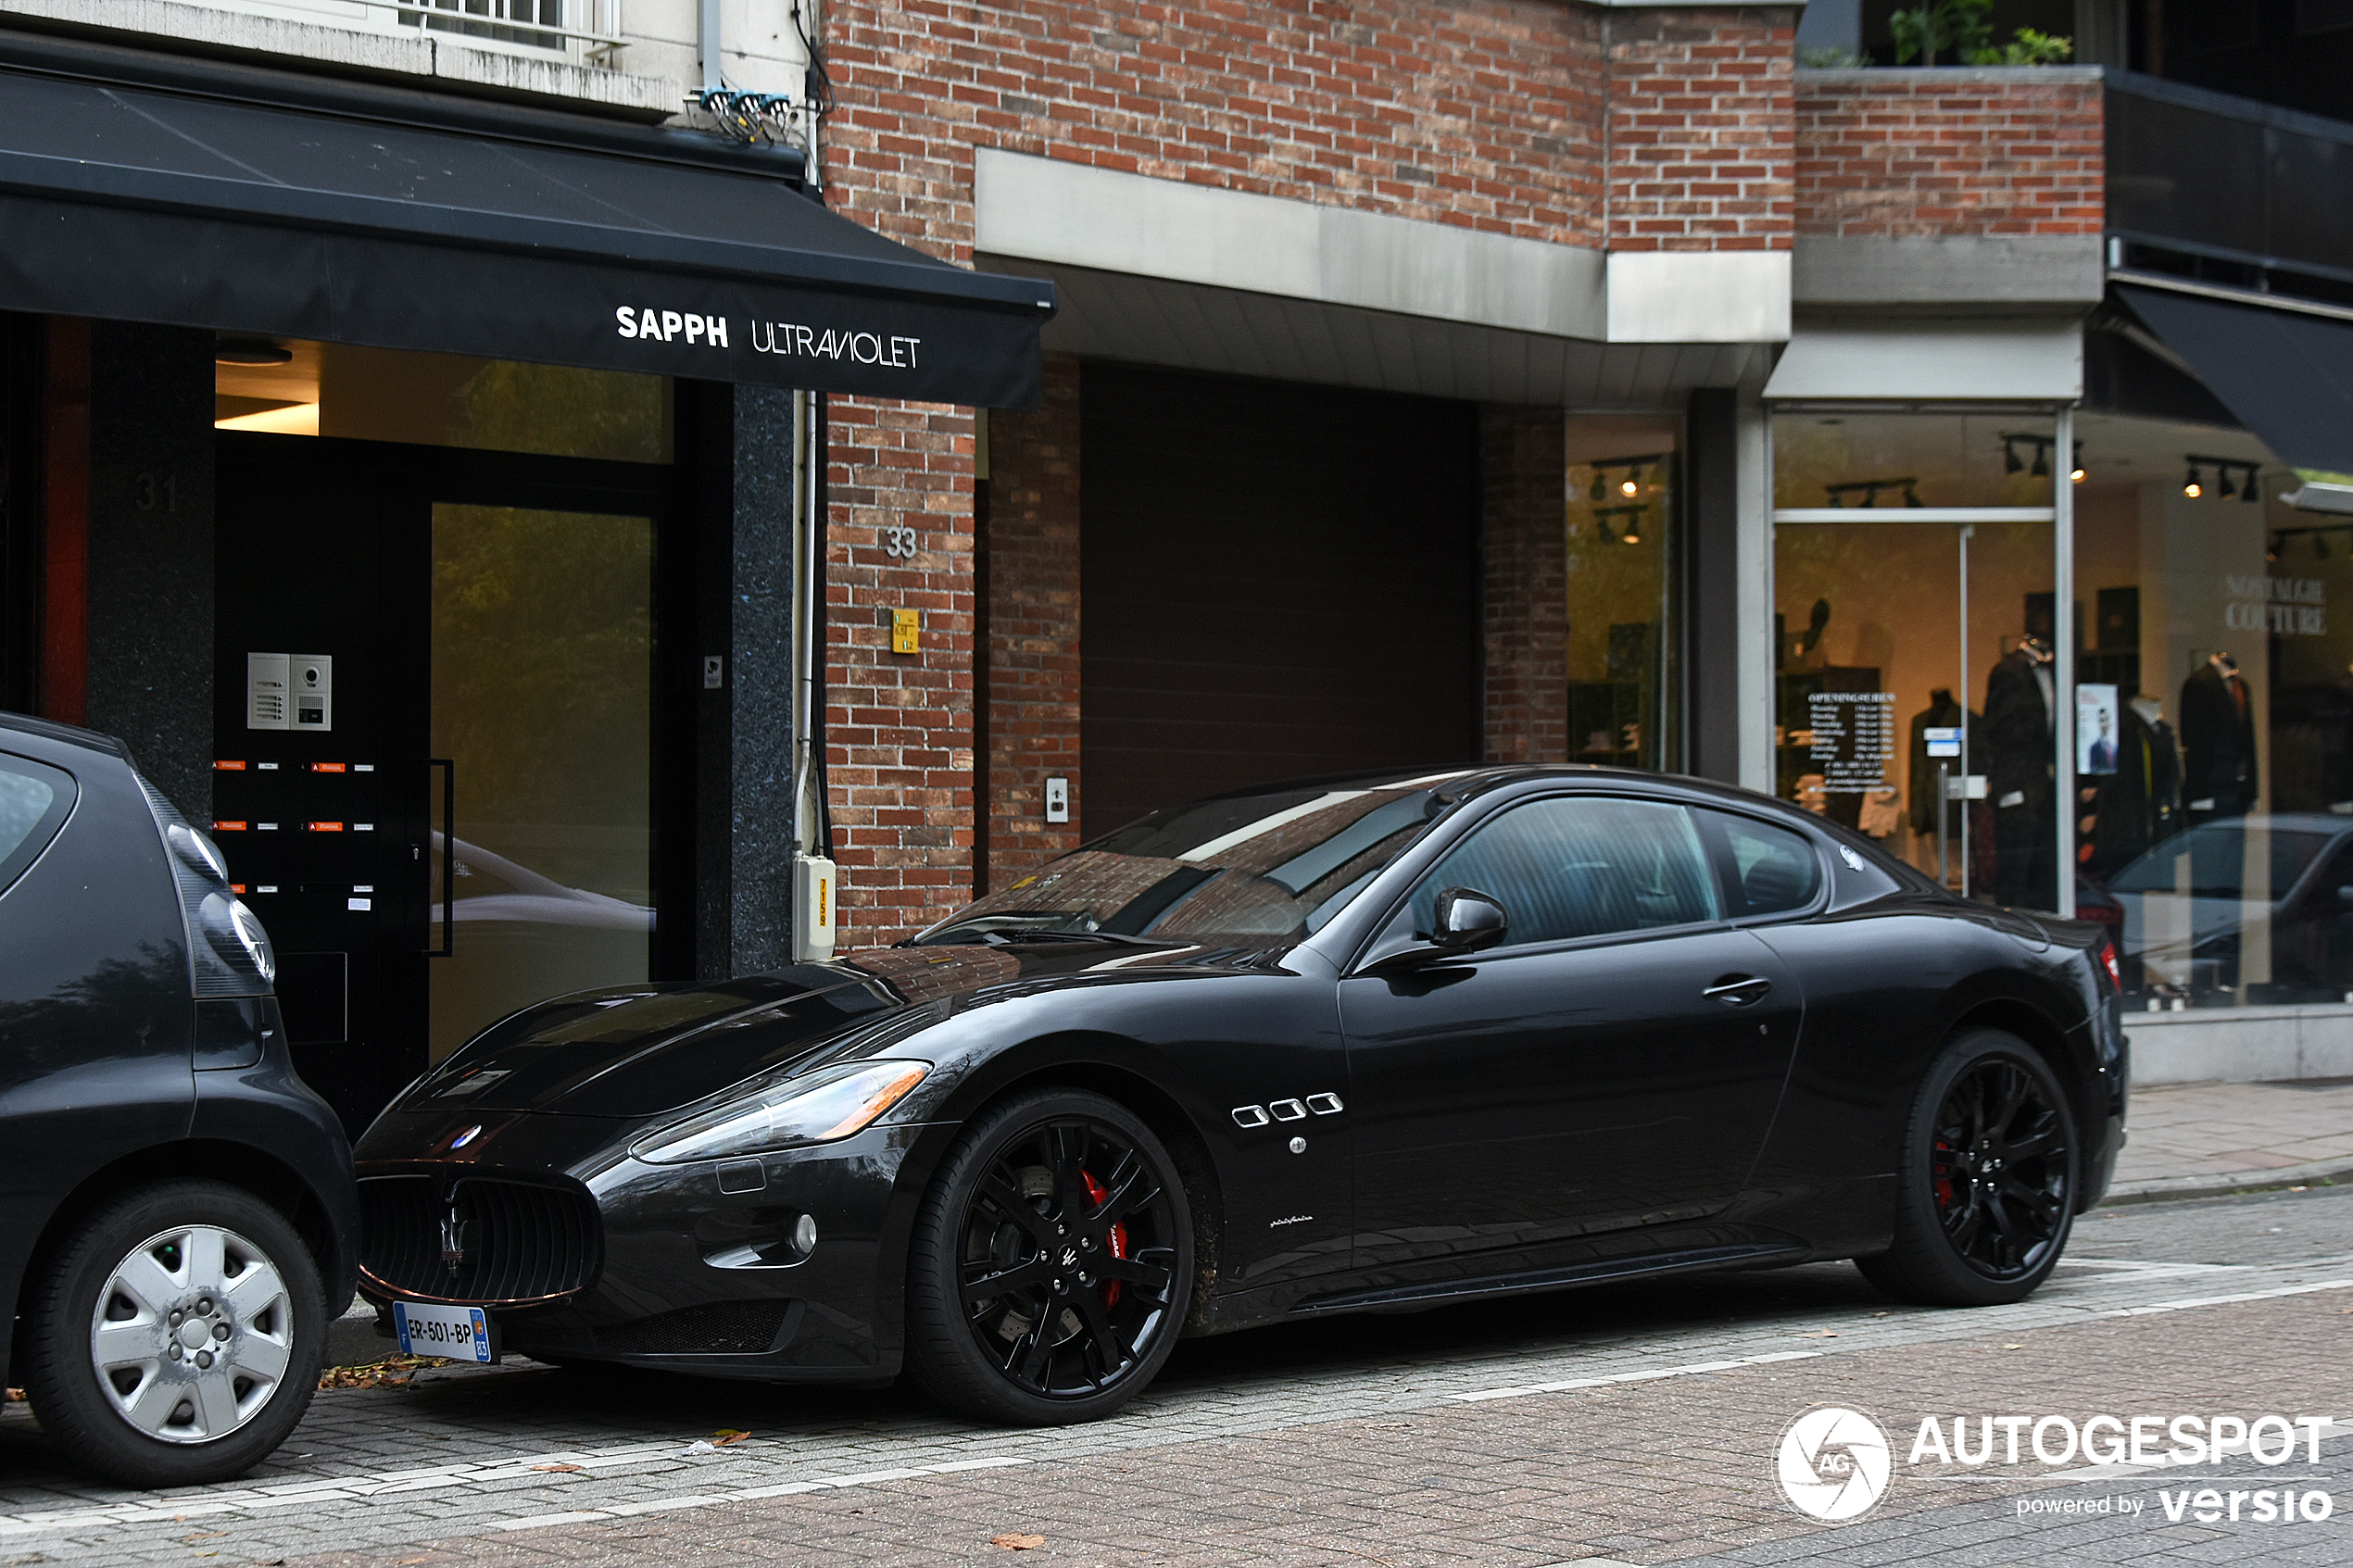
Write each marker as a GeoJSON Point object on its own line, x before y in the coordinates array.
{"type": "Point", "coordinates": [2114, 971]}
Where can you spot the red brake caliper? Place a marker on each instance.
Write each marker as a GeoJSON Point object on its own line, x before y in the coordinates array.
{"type": "Point", "coordinates": [1944, 1177]}
{"type": "Point", "coordinates": [1098, 1192]}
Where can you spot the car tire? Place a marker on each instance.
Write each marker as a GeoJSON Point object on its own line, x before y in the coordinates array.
{"type": "Point", "coordinates": [1985, 1193]}
{"type": "Point", "coordinates": [123, 1308]}
{"type": "Point", "coordinates": [1066, 1200]}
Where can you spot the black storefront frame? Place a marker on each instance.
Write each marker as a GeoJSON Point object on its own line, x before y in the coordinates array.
{"type": "Point", "coordinates": [689, 803]}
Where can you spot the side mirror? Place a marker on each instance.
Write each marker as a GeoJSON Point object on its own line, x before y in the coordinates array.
{"type": "Point", "coordinates": [1468, 921]}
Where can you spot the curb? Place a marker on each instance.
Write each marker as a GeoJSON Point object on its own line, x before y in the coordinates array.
{"type": "Point", "coordinates": [2171, 1189]}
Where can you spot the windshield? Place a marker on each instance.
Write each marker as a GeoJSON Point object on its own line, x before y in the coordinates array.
{"type": "Point", "coordinates": [2213, 861]}
{"type": "Point", "coordinates": [1249, 867]}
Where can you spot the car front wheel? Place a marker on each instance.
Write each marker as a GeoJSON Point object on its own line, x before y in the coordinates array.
{"type": "Point", "coordinates": [1987, 1192]}
{"type": "Point", "coordinates": [174, 1337]}
{"type": "Point", "coordinates": [1052, 1263]}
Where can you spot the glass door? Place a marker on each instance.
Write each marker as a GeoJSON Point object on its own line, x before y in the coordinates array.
{"type": "Point", "coordinates": [1919, 671]}
{"type": "Point", "coordinates": [542, 874]}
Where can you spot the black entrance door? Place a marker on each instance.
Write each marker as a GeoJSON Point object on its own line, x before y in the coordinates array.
{"type": "Point", "coordinates": [435, 739]}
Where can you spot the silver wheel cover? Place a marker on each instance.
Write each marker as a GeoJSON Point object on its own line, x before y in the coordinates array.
{"type": "Point", "coordinates": [191, 1333]}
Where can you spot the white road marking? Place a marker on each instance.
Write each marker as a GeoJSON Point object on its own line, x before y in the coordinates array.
{"type": "Point", "coordinates": [2187, 1303]}
{"type": "Point", "coordinates": [1562, 1385]}
{"type": "Point", "coordinates": [751, 1494]}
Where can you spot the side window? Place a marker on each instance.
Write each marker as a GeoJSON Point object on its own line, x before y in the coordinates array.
{"type": "Point", "coordinates": [1581, 866]}
{"type": "Point", "coordinates": [1768, 870]}
{"type": "Point", "coordinates": [33, 800]}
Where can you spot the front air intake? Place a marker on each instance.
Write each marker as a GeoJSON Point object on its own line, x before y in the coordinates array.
{"type": "Point", "coordinates": [484, 1242]}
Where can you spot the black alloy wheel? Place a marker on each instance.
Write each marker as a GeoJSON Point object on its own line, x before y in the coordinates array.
{"type": "Point", "coordinates": [1052, 1263]}
{"type": "Point", "coordinates": [1986, 1195]}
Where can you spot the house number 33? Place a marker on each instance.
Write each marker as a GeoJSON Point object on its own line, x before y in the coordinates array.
{"type": "Point", "coordinates": [899, 544]}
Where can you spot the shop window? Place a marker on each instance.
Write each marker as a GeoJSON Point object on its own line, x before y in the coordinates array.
{"type": "Point", "coordinates": [291, 387]}
{"type": "Point", "coordinates": [1623, 641]}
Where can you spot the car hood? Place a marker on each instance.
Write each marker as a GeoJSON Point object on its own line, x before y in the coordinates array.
{"type": "Point", "coordinates": [642, 1050]}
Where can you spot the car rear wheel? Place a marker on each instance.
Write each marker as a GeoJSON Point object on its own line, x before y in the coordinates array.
{"type": "Point", "coordinates": [1985, 1196]}
{"type": "Point", "coordinates": [174, 1337]}
{"type": "Point", "coordinates": [1051, 1264]}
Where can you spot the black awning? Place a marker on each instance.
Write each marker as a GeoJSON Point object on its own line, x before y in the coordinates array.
{"type": "Point", "coordinates": [2285, 375]}
{"type": "Point", "coordinates": [627, 248]}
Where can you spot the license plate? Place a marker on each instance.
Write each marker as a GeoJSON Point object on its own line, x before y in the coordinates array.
{"type": "Point", "coordinates": [457, 1334]}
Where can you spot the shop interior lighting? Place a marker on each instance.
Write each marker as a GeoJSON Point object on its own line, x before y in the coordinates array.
{"type": "Point", "coordinates": [2272, 547]}
{"type": "Point", "coordinates": [251, 351]}
{"type": "Point", "coordinates": [1629, 521]}
{"type": "Point", "coordinates": [1632, 486]}
{"type": "Point", "coordinates": [2009, 455]}
{"type": "Point", "coordinates": [2076, 472]}
{"type": "Point", "coordinates": [2247, 484]}
{"type": "Point", "coordinates": [1598, 490]}
{"type": "Point", "coordinates": [2013, 439]}
{"type": "Point", "coordinates": [1870, 488]}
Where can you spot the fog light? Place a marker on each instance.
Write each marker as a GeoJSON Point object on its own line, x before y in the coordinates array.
{"type": "Point", "coordinates": [804, 1235]}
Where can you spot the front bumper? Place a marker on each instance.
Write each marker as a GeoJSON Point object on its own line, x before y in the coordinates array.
{"type": "Point", "coordinates": [698, 1269]}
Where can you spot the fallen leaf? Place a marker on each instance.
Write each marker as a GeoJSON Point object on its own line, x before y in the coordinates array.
{"type": "Point", "coordinates": [392, 1371]}
{"type": "Point", "coordinates": [728, 1437]}
{"type": "Point", "coordinates": [1018, 1543]}
{"type": "Point", "coordinates": [559, 1469]}
{"type": "Point", "coordinates": [2013, 1346]}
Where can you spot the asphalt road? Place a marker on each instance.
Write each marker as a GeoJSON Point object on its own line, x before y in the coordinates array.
{"type": "Point", "coordinates": [1631, 1423]}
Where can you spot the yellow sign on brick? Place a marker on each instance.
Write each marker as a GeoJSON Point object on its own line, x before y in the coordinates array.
{"type": "Point", "coordinates": [905, 628]}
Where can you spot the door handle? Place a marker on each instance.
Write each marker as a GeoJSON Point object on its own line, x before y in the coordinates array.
{"type": "Point", "coordinates": [1738, 990]}
{"type": "Point", "coordinates": [449, 947]}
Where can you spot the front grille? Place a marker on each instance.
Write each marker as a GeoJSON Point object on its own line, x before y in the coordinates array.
{"type": "Point", "coordinates": [515, 1241]}
{"type": "Point", "coordinates": [742, 1328]}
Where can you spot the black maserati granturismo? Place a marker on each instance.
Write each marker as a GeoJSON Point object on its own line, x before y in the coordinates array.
{"type": "Point", "coordinates": [1365, 1044]}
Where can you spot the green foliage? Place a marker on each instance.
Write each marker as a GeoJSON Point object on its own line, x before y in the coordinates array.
{"type": "Point", "coordinates": [1957, 33]}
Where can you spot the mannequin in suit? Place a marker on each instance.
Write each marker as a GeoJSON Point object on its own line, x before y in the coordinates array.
{"type": "Point", "coordinates": [2019, 707]}
{"type": "Point", "coordinates": [1942, 714]}
{"type": "Point", "coordinates": [2218, 741]}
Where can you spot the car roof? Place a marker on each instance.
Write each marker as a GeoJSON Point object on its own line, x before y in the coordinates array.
{"type": "Point", "coordinates": [68, 734]}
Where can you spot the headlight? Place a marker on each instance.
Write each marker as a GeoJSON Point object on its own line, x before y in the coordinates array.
{"type": "Point", "coordinates": [819, 1106]}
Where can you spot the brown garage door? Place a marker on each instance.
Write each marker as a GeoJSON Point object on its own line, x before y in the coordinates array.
{"type": "Point", "coordinates": [1277, 582]}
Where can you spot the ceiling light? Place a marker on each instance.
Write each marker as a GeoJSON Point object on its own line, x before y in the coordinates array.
{"type": "Point", "coordinates": [2272, 547]}
{"type": "Point", "coordinates": [1911, 497]}
{"type": "Point", "coordinates": [1633, 533]}
{"type": "Point", "coordinates": [2042, 468]}
{"type": "Point", "coordinates": [2194, 485]}
{"type": "Point", "coordinates": [2253, 492]}
{"type": "Point", "coordinates": [1631, 483]}
{"type": "Point", "coordinates": [1596, 492]}
{"type": "Point", "coordinates": [2077, 473]}
{"type": "Point", "coordinates": [2009, 457]}
{"type": "Point", "coordinates": [1601, 526]}
{"type": "Point", "coordinates": [1870, 496]}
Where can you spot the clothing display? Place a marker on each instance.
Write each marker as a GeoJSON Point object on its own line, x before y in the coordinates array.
{"type": "Point", "coordinates": [1942, 714]}
{"type": "Point", "coordinates": [2140, 803]}
{"type": "Point", "coordinates": [2017, 763]}
{"type": "Point", "coordinates": [2218, 741]}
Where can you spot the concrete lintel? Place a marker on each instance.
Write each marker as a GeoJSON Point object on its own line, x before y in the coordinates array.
{"type": "Point", "coordinates": [1699, 296]}
{"type": "Point", "coordinates": [1108, 220]}
{"type": "Point", "coordinates": [2020, 360]}
{"type": "Point", "coordinates": [1936, 269]}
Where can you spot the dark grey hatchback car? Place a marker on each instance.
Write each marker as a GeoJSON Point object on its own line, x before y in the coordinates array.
{"type": "Point", "coordinates": [175, 1204]}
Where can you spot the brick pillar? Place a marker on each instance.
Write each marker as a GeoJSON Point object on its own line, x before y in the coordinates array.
{"type": "Point", "coordinates": [1033, 626]}
{"type": "Point", "coordinates": [899, 726]}
{"type": "Point", "coordinates": [1523, 549]}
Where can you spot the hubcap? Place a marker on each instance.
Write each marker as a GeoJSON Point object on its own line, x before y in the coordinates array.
{"type": "Point", "coordinates": [191, 1333]}
{"type": "Point", "coordinates": [1067, 1260]}
{"type": "Point", "coordinates": [2001, 1171]}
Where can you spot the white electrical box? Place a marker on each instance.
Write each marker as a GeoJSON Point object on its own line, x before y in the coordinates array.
{"type": "Point", "coordinates": [1058, 800]}
{"type": "Point", "coordinates": [814, 891]}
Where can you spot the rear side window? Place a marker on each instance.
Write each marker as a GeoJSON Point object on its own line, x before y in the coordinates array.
{"type": "Point", "coordinates": [34, 800]}
{"type": "Point", "coordinates": [1581, 866]}
{"type": "Point", "coordinates": [1768, 870]}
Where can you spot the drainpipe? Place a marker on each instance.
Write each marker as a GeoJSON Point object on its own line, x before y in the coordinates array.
{"type": "Point", "coordinates": [706, 37]}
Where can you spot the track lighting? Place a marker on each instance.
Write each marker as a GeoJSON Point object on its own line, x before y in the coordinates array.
{"type": "Point", "coordinates": [2009, 455]}
{"type": "Point", "coordinates": [2076, 473]}
{"type": "Point", "coordinates": [1911, 497]}
{"type": "Point", "coordinates": [1601, 526]}
{"type": "Point", "coordinates": [1598, 491]}
{"type": "Point", "coordinates": [2250, 491]}
{"type": "Point", "coordinates": [1633, 530]}
{"type": "Point", "coordinates": [2042, 468]}
{"type": "Point", "coordinates": [2194, 485]}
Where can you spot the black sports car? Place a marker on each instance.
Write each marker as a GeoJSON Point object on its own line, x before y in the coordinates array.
{"type": "Point", "coordinates": [1348, 1045]}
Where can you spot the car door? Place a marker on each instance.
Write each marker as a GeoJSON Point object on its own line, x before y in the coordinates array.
{"type": "Point", "coordinates": [1614, 1062]}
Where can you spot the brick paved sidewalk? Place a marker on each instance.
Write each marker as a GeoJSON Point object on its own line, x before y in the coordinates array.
{"type": "Point", "coordinates": [2194, 1139]}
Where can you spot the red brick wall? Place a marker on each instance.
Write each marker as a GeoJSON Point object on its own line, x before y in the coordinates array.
{"type": "Point", "coordinates": [1982, 151]}
{"type": "Point", "coordinates": [1032, 543]}
{"type": "Point", "coordinates": [1524, 551]}
{"type": "Point", "coordinates": [1700, 146]}
{"type": "Point", "coordinates": [899, 726]}
{"type": "Point", "coordinates": [1496, 115]}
